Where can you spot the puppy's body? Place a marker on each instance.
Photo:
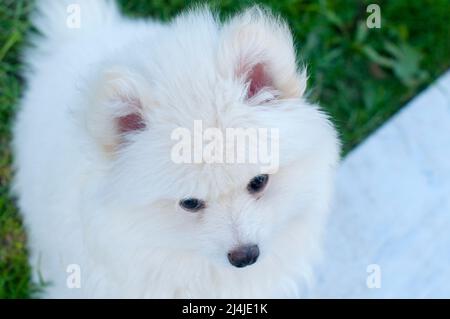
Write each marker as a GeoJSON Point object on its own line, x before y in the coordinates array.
{"type": "Point", "coordinates": [99, 192]}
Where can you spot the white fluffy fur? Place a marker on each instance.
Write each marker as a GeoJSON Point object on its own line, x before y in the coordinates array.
{"type": "Point", "coordinates": [113, 209]}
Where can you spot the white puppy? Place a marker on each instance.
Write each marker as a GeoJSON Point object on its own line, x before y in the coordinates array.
{"type": "Point", "coordinates": [108, 210]}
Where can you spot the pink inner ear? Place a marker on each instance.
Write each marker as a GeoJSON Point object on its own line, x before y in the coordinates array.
{"type": "Point", "coordinates": [130, 123]}
{"type": "Point", "coordinates": [259, 79]}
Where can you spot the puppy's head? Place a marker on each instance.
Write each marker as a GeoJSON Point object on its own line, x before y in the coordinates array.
{"type": "Point", "coordinates": [196, 75]}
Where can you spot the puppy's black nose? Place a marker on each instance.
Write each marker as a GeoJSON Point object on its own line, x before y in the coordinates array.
{"type": "Point", "coordinates": [243, 255]}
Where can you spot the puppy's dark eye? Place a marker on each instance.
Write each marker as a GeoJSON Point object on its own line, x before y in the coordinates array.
{"type": "Point", "coordinates": [257, 183]}
{"type": "Point", "coordinates": [192, 204]}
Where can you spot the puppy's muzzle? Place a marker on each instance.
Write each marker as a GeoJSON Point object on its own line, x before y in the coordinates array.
{"type": "Point", "coordinates": [244, 255]}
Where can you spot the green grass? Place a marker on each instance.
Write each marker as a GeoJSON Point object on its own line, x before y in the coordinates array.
{"type": "Point", "coordinates": [361, 77]}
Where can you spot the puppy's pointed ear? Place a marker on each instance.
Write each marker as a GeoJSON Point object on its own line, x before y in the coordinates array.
{"type": "Point", "coordinates": [116, 108]}
{"type": "Point", "coordinates": [258, 48]}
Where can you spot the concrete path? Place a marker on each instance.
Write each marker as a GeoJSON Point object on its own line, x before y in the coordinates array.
{"type": "Point", "coordinates": [391, 222]}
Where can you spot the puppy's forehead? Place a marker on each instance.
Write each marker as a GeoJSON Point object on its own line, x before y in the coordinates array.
{"type": "Point", "coordinates": [197, 95]}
